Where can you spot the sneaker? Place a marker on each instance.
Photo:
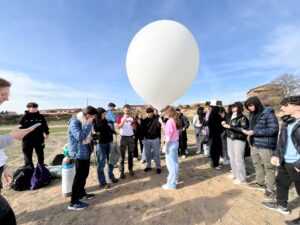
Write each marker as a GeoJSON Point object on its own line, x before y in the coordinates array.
{"type": "Point", "coordinates": [198, 152]}
{"type": "Point", "coordinates": [183, 156]}
{"type": "Point", "coordinates": [158, 171]}
{"type": "Point", "coordinates": [131, 173]}
{"type": "Point", "coordinates": [231, 176]}
{"type": "Point", "coordinates": [292, 222]}
{"type": "Point", "coordinates": [238, 182]}
{"type": "Point", "coordinates": [274, 206]}
{"type": "Point", "coordinates": [218, 167]}
{"type": "Point", "coordinates": [142, 161]}
{"type": "Point", "coordinates": [77, 206]}
{"type": "Point", "coordinates": [269, 196]}
{"type": "Point", "coordinates": [122, 176]}
{"type": "Point", "coordinates": [166, 187]}
{"type": "Point", "coordinates": [88, 197]}
{"type": "Point", "coordinates": [135, 159]}
{"type": "Point", "coordinates": [147, 169]}
{"type": "Point", "coordinates": [257, 186]}
{"type": "Point", "coordinates": [106, 186]}
{"type": "Point", "coordinates": [115, 181]}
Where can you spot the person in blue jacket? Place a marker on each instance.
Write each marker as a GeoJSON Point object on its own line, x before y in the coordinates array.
{"type": "Point", "coordinates": [79, 139]}
{"type": "Point", "coordinates": [111, 117]}
{"type": "Point", "coordinates": [263, 132]}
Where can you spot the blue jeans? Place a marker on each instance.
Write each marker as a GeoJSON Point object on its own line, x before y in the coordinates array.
{"type": "Point", "coordinates": [152, 150]}
{"type": "Point", "coordinates": [102, 152]}
{"type": "Point", "coordinates": [172, 163]}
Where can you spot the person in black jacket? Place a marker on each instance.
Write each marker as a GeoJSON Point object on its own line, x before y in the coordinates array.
{"type": "Point", "coordinates": [215, 130]}
{"type": "Point", "coordinates": [182, 134]}
{"type": "Point", "coordinates": [236, 142]}
{"type": "Point", "coordinates": [287, 156]}
{"type": "Point", "coordinates": [263, 132]}
{"type": "Point", "coordinates": [151, 130]}
{"type": "Point", "coordinates": [36, 139]}
{"type": "Point", "coordinates": [138, 136]}
{"type": "Point", "coordinates": [103, 136]}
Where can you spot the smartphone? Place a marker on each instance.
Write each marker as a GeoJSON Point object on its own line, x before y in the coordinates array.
{"type": "Point", "coordinates": [35, 126]}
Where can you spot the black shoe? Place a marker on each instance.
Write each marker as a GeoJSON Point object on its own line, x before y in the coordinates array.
{"type": "Point", "coordinates": [131, 173]}
{"type": "Point", "coordinates": [115, 181]}
{"type": "Point", "coordinates": [122, 176]}
{"type": "Point", "coordinates": [292, 222]}
{"type": "Point", "coordinates": [147, 169]}
{"type": "Point", "coordinates": [106, 186]}
{"type": "Point", "coordinates": [158, 171]}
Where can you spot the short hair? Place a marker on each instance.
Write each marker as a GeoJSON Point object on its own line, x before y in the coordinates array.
{"type": "Point", "coordinates": [294, 100]}
{"type": "Point", "coordinates": [127, 106]}
{"type": "Point", "coordinates": [4, 83]}
{"type": "Point", "coordinates": [32, 104]}
{"type": "Point", "coordinates": [149, 110]}
{"type": "Point", "coordinates": [111, 104]}
{"type": "Point", "coordinates": [90, 110]}
{"type": "Point", "coordinates": [178, 110]}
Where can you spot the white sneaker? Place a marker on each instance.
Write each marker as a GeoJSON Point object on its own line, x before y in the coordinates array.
{"type": "Point", "coordinates": [183, 156]}
{"type": "Point", "coordinates": [238, 182]}
{"type": "Point", "coordinates": [198, 152]}
{"type": "Point", "coordinates": [135, 159]}
{"type": "Point", "coordinates": [218, 167]}
{"type": "Point", "coordinates": [231, 176]}
{"type": "Point", "coordinates": [166, 187]}
{"type": "Point", "coordinates": [142, 161]}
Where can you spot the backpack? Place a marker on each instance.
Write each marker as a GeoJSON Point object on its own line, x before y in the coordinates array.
{"type": "Point", "coordinates": [57, 161]}
{"type": "Point", "coordinates": [40, 178]}
{"type": "Point", "coordinates": [22, 177]}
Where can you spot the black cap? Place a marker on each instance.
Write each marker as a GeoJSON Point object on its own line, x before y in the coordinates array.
{"type": "Point", "coordinates": [32, 104]}
{"type": "Point", "coordinates": [294, 100]}
{"type": "Point", "coordinates": [111, 104]}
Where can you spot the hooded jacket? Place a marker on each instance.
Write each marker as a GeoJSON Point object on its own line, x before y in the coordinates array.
{"type": "Point", "coordinates": [282, 141]}
{"type": "Point", "coordinates": [264, 124]}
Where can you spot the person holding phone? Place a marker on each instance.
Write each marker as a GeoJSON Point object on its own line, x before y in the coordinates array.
{"type": "Point", "coordinates": [36, 139]}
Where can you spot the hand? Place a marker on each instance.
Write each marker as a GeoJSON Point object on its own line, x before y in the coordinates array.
{"type": "Point", "coordinates": [226, 125]}
{"type": "Point", "coordinates": [8, 177]}
{"type": "Point", "coordinates": [90, 118]}
{"type": "Point", "coordinates": [18, 133]}
{"type": "Point", "coordinates": [297, 169]}
{"type": "Point", "coordinates": [250, 132]}
{"type": "Point", "coordinates": [46, 136]}
{"type": "Point", "coordinates": [275, 161]}
{"type": "Point", "coordinates": [160, 121]}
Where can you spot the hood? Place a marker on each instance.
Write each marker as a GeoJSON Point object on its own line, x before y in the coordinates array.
{"type": "Point", "coordinates": [256, 102]}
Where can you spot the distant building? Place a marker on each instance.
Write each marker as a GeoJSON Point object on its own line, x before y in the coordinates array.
{"type": "Point", "coordinates": [214, 103]}
{"type": "Point", "coordinates": [60, 111]}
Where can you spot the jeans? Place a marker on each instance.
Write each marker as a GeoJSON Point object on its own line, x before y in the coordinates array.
{"type": "Point", "coordinates": [149, 146]}
{"type": "Point", "coordinates": [236, 151]}
{"type": "Point", "coordinates": [126, 142]}
{"type": "Point", "coordinates": [172, 163]}
{"type": "Point", "coordinates": [285, 177]}
{"type": "Point", "coordinates": [265, 171]}
{"type": "Point", "coordinates": [207, 147]}
{"type": "Point", "coordinates": [102, 152]}
{"type": "Point", "coordinates": [224, 146]}
{"type": "Point", "coordinates": [82, 172]}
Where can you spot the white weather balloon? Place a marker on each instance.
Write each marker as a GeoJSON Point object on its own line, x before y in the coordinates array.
{"type": "Point", "coordinates": [162, 62]}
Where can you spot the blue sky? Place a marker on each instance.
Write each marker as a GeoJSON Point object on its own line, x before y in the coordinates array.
{"type": "Point", "coordinates": [59, 53]}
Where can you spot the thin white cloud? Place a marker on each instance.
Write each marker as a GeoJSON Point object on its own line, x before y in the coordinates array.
{"type": "Point", "coordinates": [47, 94]}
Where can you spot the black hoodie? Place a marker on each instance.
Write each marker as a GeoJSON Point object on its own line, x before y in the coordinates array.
{"type": "Point", "coordinates": [258, 110]}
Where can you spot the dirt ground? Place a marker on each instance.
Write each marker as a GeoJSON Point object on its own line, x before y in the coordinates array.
{"type": "Point", "coordinates": [204, 196]}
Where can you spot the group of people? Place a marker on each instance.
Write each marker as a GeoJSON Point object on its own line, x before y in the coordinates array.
{"type": "Point", "coordinates": [218, 132]}
{"type": "Point", "coordinates": [232, 134]}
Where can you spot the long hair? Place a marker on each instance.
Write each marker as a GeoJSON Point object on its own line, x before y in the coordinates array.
{"type": "Point", "coordinates": [171, 112]}
{"type": "Point", "coordinates": [201, 114]}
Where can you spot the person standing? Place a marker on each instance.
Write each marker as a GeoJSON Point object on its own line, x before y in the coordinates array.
{"type": "Point", "coordinates": [263, 132]}
{"type": "Point", "coordinates": [138, 137]}
{"type": "Point", "coordinates": [198, 123]}
{"type": "Point", "coordinates": [207, 141]}
{"type": "Point", "coordinates": [171, 136]}
{"type": "Point", "coordinates": [236, 141]}
{"type": "Point", "coordinates": [215, 130]}
{"type": "Point", "coordinates": [79, 139]}
{"type": "Point", "coordinates": [226, 119]}
{"type": "Point", "coordinates": [104, 137]}
{"type": "Point", "coordinates": [287, 156]}
{"type": "Point", "coordinates": [126, 123]}
{"type": "Point", "coordinates": [7, 215]}
{"type": "Point", "coordinates": [151, 132]}
{"type": "Point", "coordinates": [111, 116]}
{"type": "Point", "coordinates": [182, 134]}
{"type": "Point", "coordinates": [36, 139]}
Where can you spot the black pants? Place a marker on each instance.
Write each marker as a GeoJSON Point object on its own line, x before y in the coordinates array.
{"type": "Point", "coordinates": [126, 141]}
{"type": "Point", "coordinates": [82, 172]}
{"type": "Point", "coordinates": [215, 151]}
{"type": "Point", "coordinates": [285, 177]}
{"type": "Point", "coordinates": [28, 146]}
{"type": "Point", "coordinates": [182, 142]}
{"type": "Point", "coordinates": [136, 141]}
{"type": "Point", "coordinates": [7, 215]}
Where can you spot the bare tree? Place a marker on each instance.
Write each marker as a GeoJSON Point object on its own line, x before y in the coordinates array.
{"type": "Point", "coordinates": [290, 84]}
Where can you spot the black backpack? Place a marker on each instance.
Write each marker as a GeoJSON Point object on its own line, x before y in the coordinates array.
{"type": "Point", "coordinates": [57, 161]}
{"type": "Point", "coordinates": [22, 178]}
